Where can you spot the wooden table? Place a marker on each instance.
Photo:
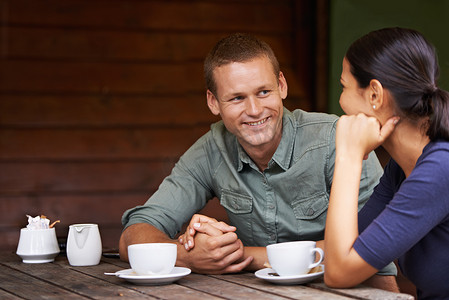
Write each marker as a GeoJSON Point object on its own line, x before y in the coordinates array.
{"type": "Point", "coordinates": [59, 280]}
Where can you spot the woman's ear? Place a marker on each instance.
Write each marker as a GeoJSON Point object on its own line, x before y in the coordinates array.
{"type": "Point", "coordinates": [212, 103]}
{"type": "Point", "coordinates": [376, 94]}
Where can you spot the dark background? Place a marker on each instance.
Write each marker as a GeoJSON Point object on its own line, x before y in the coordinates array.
{"type": "Point", "coordinates": [99, 98]}
{"type": "Point", "coordinates": [350, 19]}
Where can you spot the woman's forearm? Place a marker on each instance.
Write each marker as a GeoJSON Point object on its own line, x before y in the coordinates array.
{"type": "Point", "coordinates": [344, 267]}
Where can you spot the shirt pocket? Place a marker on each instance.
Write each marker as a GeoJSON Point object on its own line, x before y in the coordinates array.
{"type": "Point", "coordinates": [236, 203]}
{"type": "Point", "coordinates": [310, 208]}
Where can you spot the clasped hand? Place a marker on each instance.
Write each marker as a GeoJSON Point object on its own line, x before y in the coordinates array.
{"type": "Point", "coordinates": [213, 246]}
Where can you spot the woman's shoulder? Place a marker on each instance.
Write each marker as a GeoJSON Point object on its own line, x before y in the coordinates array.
{"type": "Point", "coordinates": [434, 162]}
{"type": "Point", "coordinates": [436, 150]}
{"type": "Point", "coordinates": [437, 145]}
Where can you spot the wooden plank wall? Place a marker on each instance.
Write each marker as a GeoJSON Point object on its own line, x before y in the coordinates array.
{"type": "Point", "coordinates": [99, 98]}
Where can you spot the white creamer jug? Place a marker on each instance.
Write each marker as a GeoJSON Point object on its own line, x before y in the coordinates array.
{"type": "Point", "coordinates": [84, 245]}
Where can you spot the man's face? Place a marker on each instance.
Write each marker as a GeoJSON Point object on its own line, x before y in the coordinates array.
{"type": "Point", "coordinates": [249, 101]}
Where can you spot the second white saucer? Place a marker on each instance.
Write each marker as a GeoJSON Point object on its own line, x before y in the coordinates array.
{"type": "Point", "coordinates": [175, 274]}
{"type": "Point", "coordinates": [270, 275]}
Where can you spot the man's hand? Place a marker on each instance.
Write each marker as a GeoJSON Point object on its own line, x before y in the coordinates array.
{"type": "Point", "coordinates": [187, 239]}
{"type": "Point", "coordinates": [216, 252]}
{"type": "Point", "coordinates": [218, 249]}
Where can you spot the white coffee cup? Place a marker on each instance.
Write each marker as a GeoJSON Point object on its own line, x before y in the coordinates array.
{"type": "Point", "coordinates": [37, 245]}
{"type": "Point", "coordinates": [84, 245]}
{"type": "Point", "coordinates": [152, 258]}
{"type": "Point", "coordinates": [293, 258]}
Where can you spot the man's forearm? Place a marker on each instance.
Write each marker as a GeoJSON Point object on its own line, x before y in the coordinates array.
{"type": "Point", "coordinates": [141, 233]}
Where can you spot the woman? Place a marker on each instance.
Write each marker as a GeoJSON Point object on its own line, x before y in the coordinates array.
{"type": "Point", "coordinates": [391, 98]}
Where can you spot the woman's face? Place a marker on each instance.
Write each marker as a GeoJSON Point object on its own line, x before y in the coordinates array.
{"type": "Point", "coordinates": [353, 99]}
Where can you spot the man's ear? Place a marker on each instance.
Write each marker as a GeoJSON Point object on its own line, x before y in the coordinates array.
{"type": "Point", "coordinates": [376, 94]}
{"type": "Point", "coordinates": [283, 88]}
{"type": "Point", "coordinates": [212, 103]}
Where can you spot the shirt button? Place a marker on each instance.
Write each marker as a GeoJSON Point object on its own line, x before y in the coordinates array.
{"type": "Point", "coordinates": [310, 212]}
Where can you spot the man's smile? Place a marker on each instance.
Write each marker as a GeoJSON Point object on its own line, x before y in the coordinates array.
{"type": "Point", "coordinates": [257, 122]}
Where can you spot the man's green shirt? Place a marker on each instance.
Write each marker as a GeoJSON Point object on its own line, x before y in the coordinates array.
{"type": "Point", "coordinates": [287, 201]}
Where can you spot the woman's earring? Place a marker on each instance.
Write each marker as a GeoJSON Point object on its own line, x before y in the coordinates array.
{"type": "Point", "coordinates": [374, 106]}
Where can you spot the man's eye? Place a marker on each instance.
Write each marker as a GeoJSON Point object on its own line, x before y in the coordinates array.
{"type": "Point", "coordinates": [264, 92]}
{"type": "Point", "coordinates": [238, 98]}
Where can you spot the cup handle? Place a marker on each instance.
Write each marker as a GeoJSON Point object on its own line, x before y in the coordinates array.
{"type": "Point", "coordinates": [321, 252]}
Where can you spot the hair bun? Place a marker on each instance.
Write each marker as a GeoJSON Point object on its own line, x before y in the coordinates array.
{"type": "Point", "coordinates": [429, 92]}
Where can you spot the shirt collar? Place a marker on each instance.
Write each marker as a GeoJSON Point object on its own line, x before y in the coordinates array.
{"type": "Point", "coordinates": [283, 155]}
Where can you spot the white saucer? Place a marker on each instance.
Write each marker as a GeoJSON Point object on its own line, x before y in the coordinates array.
{"type": "Point", "coordinates": [175, 274]}
{"type": "Point", "coordinates": [38, 258]}
{"type": "Point", "coordinates": [267, 274]}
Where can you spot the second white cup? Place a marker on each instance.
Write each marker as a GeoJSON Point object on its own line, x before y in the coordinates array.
{"type": "Point", "coordinates": [152, 258]}
{"type": "Point", "coordinates": [293, 258]}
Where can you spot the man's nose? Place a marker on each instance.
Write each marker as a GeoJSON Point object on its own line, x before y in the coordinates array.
{"type": "Point", "coordinates": [253, 106]}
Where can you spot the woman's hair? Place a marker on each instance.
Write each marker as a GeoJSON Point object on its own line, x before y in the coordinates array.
{"type": "Point", "coordinates": [406, 64]}
{"type": "Point", "coordinates": [238, 47]}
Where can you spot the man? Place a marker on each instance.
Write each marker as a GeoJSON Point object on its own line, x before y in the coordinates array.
{"type": "Point", "coordinates": [271, 168]}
